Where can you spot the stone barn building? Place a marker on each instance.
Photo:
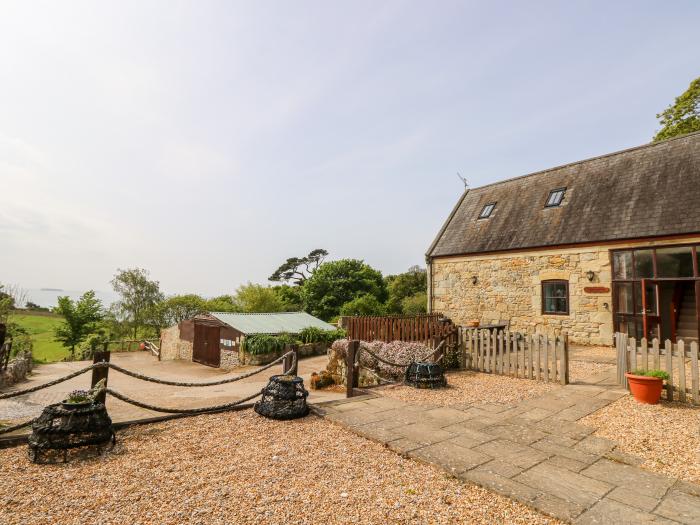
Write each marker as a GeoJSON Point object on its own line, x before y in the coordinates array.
{"type": "Point", "coordinates": [592, 247]}
{"type": "Point", "coordinates": [214, 339]}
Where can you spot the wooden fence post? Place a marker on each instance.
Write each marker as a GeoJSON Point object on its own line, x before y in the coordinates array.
{"type": "Point", "coordinates": [351, 379]}
{"type": "Point", "coordinates": [100, 373]}
{"type": "Point", "coordinates": [564, 371]}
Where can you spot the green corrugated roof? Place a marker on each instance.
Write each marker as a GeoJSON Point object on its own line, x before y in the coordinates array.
{"type": "Point", "coordinates": [273, 323]}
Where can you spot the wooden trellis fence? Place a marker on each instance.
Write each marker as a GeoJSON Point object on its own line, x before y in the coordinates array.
{"type": "Point", "coordinates": [679, 360]}
{"type": "Point", "coordinates": [423, 328]}
{"type": "Point", "coordinates": [529, 356]}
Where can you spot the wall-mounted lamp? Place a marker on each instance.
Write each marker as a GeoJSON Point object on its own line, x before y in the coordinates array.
{"type": "Point", "coordinates": [590, 274]}
{"type": "Point", "coordinates": [474, 279]}
{"type": "Point", "coordinates": [606, 306]}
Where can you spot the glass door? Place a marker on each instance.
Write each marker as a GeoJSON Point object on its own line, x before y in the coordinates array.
{"type": "Point", "coordinates": [649, 308]}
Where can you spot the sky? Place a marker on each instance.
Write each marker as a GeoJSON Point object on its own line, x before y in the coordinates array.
{"type": "Point", "coordinates": [209, 141]}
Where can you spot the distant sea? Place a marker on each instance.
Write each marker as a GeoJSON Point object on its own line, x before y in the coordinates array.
{"type": "Point", "coordinates": [48, 297]}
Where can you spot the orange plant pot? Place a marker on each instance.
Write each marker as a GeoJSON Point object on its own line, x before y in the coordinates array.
{"type": "Point", "coordinates": [645, 389]}
{"type": "Point", "coordinates": [474, 323]}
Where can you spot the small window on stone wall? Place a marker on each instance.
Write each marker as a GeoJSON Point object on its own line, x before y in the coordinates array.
{"type": "Point", "coordinates": [555, 297]}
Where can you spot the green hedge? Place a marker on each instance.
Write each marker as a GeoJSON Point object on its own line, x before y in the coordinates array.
{"type": "Point", "coordinates": [265, 343]}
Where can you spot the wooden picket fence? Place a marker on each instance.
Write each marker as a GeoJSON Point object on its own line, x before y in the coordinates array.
{"type": "Point", "coordinates": [679, 360]}
{"type": "Point", "coordinates": [425, 328]}
{"type": "Point", "coordinates": [530, 356]}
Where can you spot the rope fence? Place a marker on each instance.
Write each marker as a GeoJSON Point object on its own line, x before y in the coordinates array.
{"type": "Point", "coordinates": [290, 366]}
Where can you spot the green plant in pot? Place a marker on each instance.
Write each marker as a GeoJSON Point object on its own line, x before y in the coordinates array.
{"type": "Point", "coordinates": [646, 385]}
{"type": "Point", "coordinates": [83, 398]}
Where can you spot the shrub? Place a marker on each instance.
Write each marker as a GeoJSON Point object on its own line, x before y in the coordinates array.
{"type": "Point", "coordinates": [318, 335]}
{"type": "Point", "coordinates": [652, 373]}
{"type": "Point", "coordinates": [363, 305]}
{"type": "Point", "coordinates": [266, 343]}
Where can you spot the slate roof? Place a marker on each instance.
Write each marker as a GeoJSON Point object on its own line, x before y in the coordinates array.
{"type": "Point", "coordinates": [647, 191]}
{"type": "Point", "coordinates": [272, 323]}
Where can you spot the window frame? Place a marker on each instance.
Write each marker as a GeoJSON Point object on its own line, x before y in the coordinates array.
{"type": "Point", "coordinates": [568, 296]}
{"type": "Point", "coordinates": [552, 192]}
{"type": "Point", "coordinates": [491, 209]}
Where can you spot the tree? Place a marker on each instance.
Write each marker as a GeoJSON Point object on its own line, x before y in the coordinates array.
{"type": "Point", "coordinates": [291, 297]}
{"type": "Point", "coordinates": [81, 318]}
{"type": "Point", "coordinates": [257, 298]}
{"type": "Point", "coordinates": [7, 303]}
{"type": "Point", "coordinates": [683, 116]}
{"type": "Point", "coordinates": [222, 303]}
{"type": "Point", "coordinates": [138, 297]}
{"type": "Point", "coordinates": [363, 305]}
{"type": "Point", "coordinates": [338, 282]}
{"type": "Point", "coordinates": [299, 269]}
{"type": "Point", "coordinates": [177, 308]}
{"type": "Point", "coordinates": [403, 286]}
{"type": "Point", "coordinates": [415, 304]}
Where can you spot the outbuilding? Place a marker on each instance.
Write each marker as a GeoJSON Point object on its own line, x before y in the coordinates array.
{"type": "Point", "coordinates": [215, 339]}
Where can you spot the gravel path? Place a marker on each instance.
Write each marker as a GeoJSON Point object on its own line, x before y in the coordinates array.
{"type": "Point", "coordinates": [467, 387]}
{"type": "Point", "coordinates": [239, 468]}
{"type": "Point", "coordinates": [665, 435]}
{"type": "Point", "coordinates": [581, 371]}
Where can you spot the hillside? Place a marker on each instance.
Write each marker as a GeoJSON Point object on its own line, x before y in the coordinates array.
{"type": "Point", "coordinates": [40, 326]}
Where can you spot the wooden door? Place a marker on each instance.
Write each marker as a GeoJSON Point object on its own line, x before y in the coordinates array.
{"type": "Point", "coordinates": [205, 347]}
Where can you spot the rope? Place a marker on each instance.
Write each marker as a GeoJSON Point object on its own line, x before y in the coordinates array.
{"type": "Point", "coordinates": [118, 368]}
{"type": "Point", "coordinates": [381, 379]}
{"type": "Point", "coordinates": [215, 408]}
{"type": "Point", "coordinates": [402, 365]}
{"type": "Point", "coordinates": [211, 383]}
{"type": "Point", "coordinates": [52, 383]}
{"type": "Point", "coordinates": [16, 427]}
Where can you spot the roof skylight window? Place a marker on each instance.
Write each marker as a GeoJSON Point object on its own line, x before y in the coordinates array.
{"type": "Point", "coordinates": [555, 198]}
{"type": "Point", "coordinates": [487, 211]}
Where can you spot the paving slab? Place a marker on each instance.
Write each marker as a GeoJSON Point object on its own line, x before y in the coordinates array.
{"type": "Point", "coordinates": [518, 433]}
{"type": "Point", "coordinates": [681, 507]}
{"type": "Point", "coordinates": [403, 446]}
{"type": "Point", "coordinates": [567, 463]}
{"type": "Point", "coordinates": [610, 512]}
{"type": "Point", "coordinates": [623, 457]}
{"type": "Point", "coordinates": [552, 447]}
{"type": "Point", "coordinates": [536, 414]}
{"type": "Point", "coordinates": [564, 484]}
{"type": "Point", "coordinates": [516, 454]}
{"type": "Point", "coordinates": [507, 470]}
{"type": "Point", "coordinates": [634, 499]}
{"type": "Point", "coordinates": [450, 457]}
{"type": "Point", "coordinates": [557, 507]}
{"type": "Point", "coordinates": [445, 416]}
{"type": "Point", "coordinates": [423, 433]}
{"type": "Point", "coordinates": [595, 445]}
{"type": "Point", "coordinates": [621, 475]}
{"type": "Point", "coordinates": [466, 435]}
{"type": "Point", "coordinates": [502, 485]}
{"type": "Point", "coordinates": [564, 428]}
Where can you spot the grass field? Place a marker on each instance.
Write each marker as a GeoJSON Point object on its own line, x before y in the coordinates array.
{"type": "Point", "coordinates": [41, 326]}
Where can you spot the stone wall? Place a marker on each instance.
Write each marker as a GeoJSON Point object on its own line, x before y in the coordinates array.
{"type": "Point", "coordinates": [17, 369]}
{"type": "Point", "coordinates": [229, 359]}
{"type": "Point", "coordinates": [509, 288]}
{"type": "Point", "coordinates": [172, 346]}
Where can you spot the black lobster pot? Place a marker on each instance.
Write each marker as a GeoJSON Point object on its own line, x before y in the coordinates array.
{"type": "Point", "coordinates": [284, 397]}
{"type": "Point", "coordinates": [60, 428]}
{"type": "Point", "coordinates": [425, 375]}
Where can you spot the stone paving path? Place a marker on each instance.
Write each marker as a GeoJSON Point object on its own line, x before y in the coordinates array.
{"type": "Point", "coordinates": [533, 451]}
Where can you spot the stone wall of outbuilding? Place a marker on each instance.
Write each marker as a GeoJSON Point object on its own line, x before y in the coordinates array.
{"type": "Point", "coordinates": [508, 288]}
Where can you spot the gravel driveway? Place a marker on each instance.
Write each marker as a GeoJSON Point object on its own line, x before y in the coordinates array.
{"type": "Point", "coordinates": [239, 468]}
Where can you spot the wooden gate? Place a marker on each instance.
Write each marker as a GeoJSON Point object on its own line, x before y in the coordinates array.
{"type": "Point", "coordinates": [205, 347]}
